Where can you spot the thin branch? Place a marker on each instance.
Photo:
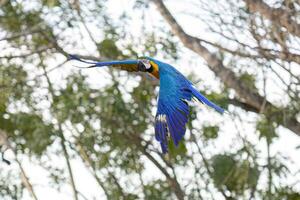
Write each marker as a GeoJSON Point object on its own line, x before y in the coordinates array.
{"type": "Point", "coordinates": [38, 51]}
{"type": "Point", "coordinates": [63, 140]}
{"type": "Point", "coordinates": [22, 33]}
{"type": "Point", "coordinates": [206, 165]}
{"type": "Point", "coordinates": [24, 177]}
{"type": "Point", "coordinates": [89, 164]}
{"type": "Point", "coordinates": [172, 181]}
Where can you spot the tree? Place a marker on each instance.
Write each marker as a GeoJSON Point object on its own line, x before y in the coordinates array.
{"type": "Point", "coordinates": [50, 110]}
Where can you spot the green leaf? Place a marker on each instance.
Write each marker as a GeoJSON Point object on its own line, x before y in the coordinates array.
{"type": "Point", "coordinates": [210, 132]}
{"type": "Point", "coordinates": [51, 3]}
{"type": "Point", "coordinates": [177, 154]}
{"type": "Point", "coordinates": [29, 132]}
{"type": "Point", "coordinates": [109, 49]}
{"type": "Point", "coordinates": [266, 129]}
{"type": "Point", "coordinates": [249, 80]}
{"type": "Point", "coordinates": [234, 175]}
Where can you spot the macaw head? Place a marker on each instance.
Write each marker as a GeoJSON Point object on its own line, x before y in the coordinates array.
{"type": "Point", "coordinates": [147, 65]}
{"type": "Point", "coordinates": [144, 65]}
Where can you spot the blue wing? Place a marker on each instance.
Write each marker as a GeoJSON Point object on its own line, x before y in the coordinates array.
{"type": "Point", "coordinates": [128, 65]}
{"type": "Point", "coordinates": [173, 110]}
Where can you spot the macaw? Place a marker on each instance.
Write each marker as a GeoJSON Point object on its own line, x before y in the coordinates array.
{"type": "Point", "coordinates": [175, 91]}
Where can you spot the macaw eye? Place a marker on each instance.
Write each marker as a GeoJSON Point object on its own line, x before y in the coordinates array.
{"type": "Point", "coordinates": [146, 63]}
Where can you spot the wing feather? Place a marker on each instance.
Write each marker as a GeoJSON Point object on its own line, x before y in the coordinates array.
{"type": "Point", "coordinates": [128, 65]}
{"type": "Point", "coordinates": [173, 110]}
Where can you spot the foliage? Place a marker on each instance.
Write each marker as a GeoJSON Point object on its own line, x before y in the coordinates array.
{"type": "Point", "coordinates": [10, 189]}
{"type": "Point", "coordinates": [266, 129]}
{"type": "Point", "coordinates": [210, 132]}
{"type": "Point", "coordinates": [235, 175]}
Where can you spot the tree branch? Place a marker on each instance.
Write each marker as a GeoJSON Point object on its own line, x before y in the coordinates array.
{"type": "Point", "coordinates": [276, 15]}
{"type": "Point", "coordinates": [89, 164]}
{"type": "Point", "coordinates": [63, 140]}
{"type": "Point", "coordinates": [172, 180]}
{"type": "Point", "coordinates": [243, 105]}
{"type": "Point", "coordinates": [268, 53]}
{"type": "Point", "coordinates": [24, 177]}
{"type": "Point", "coordinates": [207, 166]}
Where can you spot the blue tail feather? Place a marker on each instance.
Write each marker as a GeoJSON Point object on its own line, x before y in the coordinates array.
{"type": "Point", "coordinates": [204, 100]}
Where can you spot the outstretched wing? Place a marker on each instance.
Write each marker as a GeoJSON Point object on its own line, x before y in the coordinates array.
{"type": "Point", "coordinates": [173, 110]}
{"type": "Point", "coordinates": [128, 65]}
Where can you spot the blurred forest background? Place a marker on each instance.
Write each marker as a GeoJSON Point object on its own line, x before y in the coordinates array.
{"type": "Point", "coordinates": [88, 134]}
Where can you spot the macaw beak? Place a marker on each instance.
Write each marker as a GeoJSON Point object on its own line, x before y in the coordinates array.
{"type": "Point", "coordinates": [141, 67]}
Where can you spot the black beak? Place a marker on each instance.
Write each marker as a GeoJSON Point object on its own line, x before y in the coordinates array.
{"type": "Point", "coordinates": [141, 67]}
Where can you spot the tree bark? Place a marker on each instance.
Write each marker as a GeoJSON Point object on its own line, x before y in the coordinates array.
{"type": "Point", "coordinates": [276, 15]}
{"type": "Point", "coordinates": [173, 182]}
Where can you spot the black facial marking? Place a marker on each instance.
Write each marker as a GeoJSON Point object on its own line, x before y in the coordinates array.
{"type": "Point", "coordinates": [150, 69]}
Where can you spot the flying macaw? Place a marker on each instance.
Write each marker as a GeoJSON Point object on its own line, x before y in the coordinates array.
{"type": "Point", "coordinates": [175, 91]}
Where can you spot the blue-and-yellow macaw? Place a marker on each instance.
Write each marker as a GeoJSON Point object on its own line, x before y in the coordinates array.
{"type": "Point", "coordinates": [175, 91]}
